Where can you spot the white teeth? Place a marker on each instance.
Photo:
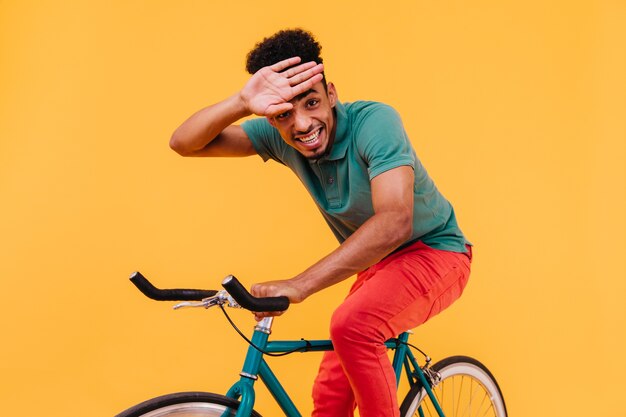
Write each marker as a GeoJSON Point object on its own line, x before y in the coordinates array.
{"type": "Point", "coordinates": [311, 137]}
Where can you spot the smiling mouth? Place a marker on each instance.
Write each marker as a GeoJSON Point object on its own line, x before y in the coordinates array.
{"type": "Point", "coordinates": [310, 139]}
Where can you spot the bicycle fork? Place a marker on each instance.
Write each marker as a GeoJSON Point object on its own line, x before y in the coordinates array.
{"type": "Point", "coordinates": [243, 390]}
{"type": "Point", "coordinates": [255, 366]}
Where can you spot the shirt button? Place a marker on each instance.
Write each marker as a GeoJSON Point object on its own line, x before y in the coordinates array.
{"type": "Point", "coordinates": [331, 180]}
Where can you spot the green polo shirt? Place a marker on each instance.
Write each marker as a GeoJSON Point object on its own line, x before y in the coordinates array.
{"type": "Point", "coordinates": [369, 140]}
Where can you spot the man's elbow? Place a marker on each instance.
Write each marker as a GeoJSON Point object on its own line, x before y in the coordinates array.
{"type": "Point", "coordinates": [179, 146]}
{"type": "Point", "coordinates": [403, 227]}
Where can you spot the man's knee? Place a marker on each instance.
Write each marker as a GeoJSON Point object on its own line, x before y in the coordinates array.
{"type": "Point", "coordinates": [348, 327]}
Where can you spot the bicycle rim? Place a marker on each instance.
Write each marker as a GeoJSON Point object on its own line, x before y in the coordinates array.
{"type": "Point", "coordinates": [467, 389]}
{"type": "Point", "coordinates": [191, 410]}
{"type": "Point", "coordinates": [191, 404]}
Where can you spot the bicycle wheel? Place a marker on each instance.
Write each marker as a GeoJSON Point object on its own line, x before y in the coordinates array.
{"type": "Point", "coordinates": [186, 404]}
{"type": "Point", "coordinates": [467, 388]}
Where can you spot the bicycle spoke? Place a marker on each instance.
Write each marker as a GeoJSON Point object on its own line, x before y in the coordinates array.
{"type": "Point", "coordinates": [460, 396]}
{"type": "Point", "coordinates": [458, 402]}
{"type": "Point", "coordinates": [466, 389]}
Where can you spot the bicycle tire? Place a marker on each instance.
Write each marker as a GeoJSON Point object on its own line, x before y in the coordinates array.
{"type": "Point", "coordinates": [186, 404]}
{"type": "Point", "coordinates": [467, 388]}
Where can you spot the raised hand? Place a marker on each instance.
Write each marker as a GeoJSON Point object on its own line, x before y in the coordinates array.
{"type": "Point", "coordinates": [269, 90]}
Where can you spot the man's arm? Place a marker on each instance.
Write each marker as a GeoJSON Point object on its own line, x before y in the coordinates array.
{"type": "Point", "coordinates": [389, 227]}
{"type": "Point", "coordinates": [210, 131]}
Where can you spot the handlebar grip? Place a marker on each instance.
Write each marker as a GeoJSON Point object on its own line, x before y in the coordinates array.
{"type": "Point", "coordinates": [177, 294]}
{"type": "Point", "coordinates": [250, 302]}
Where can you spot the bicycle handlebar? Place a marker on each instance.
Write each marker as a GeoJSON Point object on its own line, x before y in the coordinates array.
{"type": "Point", "coordinates": [230, 283]}
{"type": "Point", "coordinates": [250, 302]}
{"type": "Point", "coordinates": [176, 294]}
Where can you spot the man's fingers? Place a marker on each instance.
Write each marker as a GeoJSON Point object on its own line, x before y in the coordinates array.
{"type": "Point", "coordinates": [306, 85]}
{"type": "Point", "coordinates": [293, 71]}
{"type": "Point", "coordinates": [276, 109]}
{"type": "Point", "coordinates": [305, 75]}
{"type": "Point", "coordinates": [286, 63]}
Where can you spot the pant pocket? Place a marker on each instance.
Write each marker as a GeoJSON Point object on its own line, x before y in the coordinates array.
{"type": "Point", "coordinates": [451, 288]}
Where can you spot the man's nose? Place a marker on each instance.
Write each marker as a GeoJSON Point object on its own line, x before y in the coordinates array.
{"type": "Point", "coordinates": [302, 123]}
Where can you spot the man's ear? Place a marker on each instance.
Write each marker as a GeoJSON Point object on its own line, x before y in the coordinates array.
{"type": "Point", "coordinates": [332, 94]}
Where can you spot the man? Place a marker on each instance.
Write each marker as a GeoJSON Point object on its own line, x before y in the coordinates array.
{"type": "Point", "coordinates": [396, 231]}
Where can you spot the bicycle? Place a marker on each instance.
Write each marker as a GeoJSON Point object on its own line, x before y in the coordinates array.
{"type": "Point", "coordinates": [455, 386]}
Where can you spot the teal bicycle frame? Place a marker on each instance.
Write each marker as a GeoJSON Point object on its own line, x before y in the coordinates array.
{"type": "Point", "coordinates": [255, 366]}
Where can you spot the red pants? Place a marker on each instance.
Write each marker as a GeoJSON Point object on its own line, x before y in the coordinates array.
{"type": "Point", "coordinates": [399, 293]}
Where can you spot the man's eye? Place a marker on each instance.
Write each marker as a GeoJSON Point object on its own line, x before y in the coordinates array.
{"type": "Point", "coordinates": [283, 115]}
{"type": "Point", "coordinates": [312, 102]}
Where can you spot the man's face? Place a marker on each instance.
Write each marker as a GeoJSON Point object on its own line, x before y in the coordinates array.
{"type": "Point", "coordinates": [310, 126]}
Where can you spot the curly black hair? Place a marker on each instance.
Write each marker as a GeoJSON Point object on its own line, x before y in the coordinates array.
{"type": "Point", "coordinates": [282, 45]}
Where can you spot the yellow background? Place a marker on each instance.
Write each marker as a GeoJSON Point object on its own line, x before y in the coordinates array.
{"type": "Point", "coordinates": [517, 109]}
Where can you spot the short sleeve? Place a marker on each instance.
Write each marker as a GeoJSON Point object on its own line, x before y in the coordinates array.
{"type": "Point", "coordinates": [265, 139]}
{"type": "Point", "coordinates": [382, 141]}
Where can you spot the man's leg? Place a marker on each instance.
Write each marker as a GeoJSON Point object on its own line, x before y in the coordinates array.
{"type": "Point", "coordinates": [332, 393]}
{"type": "Point", "coordinates": [400, 292]}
